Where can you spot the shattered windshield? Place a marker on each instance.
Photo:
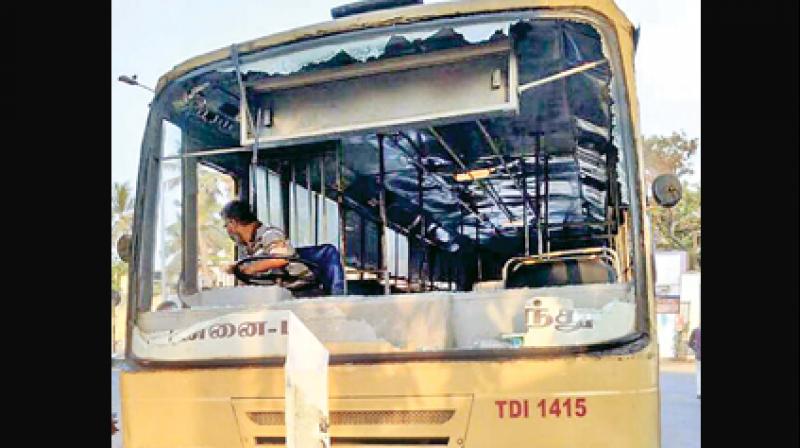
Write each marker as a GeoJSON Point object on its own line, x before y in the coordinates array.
{"type": "Point", "coordinates": [382, 47]}
{"type": "Point", "coordinates": [484, 225]}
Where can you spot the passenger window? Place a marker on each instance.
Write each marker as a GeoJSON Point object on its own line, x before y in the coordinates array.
{"type": "Point", "coordinates": [353, 229]}
{"type": "Point", "coordinates": [275, 200]}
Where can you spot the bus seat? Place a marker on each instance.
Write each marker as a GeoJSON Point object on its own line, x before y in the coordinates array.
{"type": "Point", "coordinates": [560, 272]}
{"type": "Point", "coordinates": [326, 264]}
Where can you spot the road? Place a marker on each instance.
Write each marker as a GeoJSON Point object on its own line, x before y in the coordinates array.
{"type": "Point", "coordinates": [116, 439]}
{"type": "Point", "coordinates": [680, 408]}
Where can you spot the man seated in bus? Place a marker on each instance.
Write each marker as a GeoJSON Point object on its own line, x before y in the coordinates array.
{"type": "Point", "coordinates": [253, 238]}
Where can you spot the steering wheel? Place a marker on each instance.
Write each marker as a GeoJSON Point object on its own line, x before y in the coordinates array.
{"type": "Point", "coordinates": [269, 277]}
{"type": "Point", "coordinates": [260, 278]}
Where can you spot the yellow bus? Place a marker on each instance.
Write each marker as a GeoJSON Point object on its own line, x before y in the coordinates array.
{"type": "Point", "coordinates": [463, 180]}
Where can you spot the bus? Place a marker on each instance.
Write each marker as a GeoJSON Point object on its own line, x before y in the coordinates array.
{"type": "Point", "coordinates": [464, 181]}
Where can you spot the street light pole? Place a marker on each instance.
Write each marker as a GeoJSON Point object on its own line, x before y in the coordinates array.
{"type": "Point", "coordinates": [131, 80]}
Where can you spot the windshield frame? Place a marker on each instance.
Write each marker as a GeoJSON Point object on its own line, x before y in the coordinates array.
{"type": "Point", "coordinates": [143, 243]}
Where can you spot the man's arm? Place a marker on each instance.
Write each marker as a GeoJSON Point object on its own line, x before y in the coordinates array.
{"type": "Point", "coordinates": [263, 265]}
{"type": "Point", "coordinates": [273, 242]}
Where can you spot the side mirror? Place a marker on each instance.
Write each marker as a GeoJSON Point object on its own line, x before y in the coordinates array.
{"type": "Point", "coordinates": [115, 298]}
{"type": "Point", "coordinates": [667, 190]}
{"type": "Point", "coordinates": [124, 248]}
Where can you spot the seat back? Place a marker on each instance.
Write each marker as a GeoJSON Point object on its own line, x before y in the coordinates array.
{"type": "Point", "coordinates": [326, 264]}
{"type": "Point", "coordinates": [560, 272]}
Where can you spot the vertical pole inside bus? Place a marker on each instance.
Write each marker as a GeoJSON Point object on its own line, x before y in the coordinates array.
{"type": "Point", "coordinates": [547, 200]}
{"type": "Point", "coordinates": [525, 223]}
{"type": "Point", "coordinates": [254, 164]}
{"type": "Point", "coordinates": [537, 174]}
{"type": "Point", "coordinates": [295, 233]}
{"type": "Point", "coordinates": [340, 204]}
{"type": "Point", "coordinates": [421, 211]}
{"type": "Point", "coordinates": [323, 198]}
{"type": "Point", "coordinates": [286, 198]}
{"type": "Point", "coordinates": [478, 250]}
{"type": "Point", "coordinates": [382, 208]}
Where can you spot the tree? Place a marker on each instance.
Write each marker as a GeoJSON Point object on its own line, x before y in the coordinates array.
{"type": "Point", "coordinates": [214, 248]}
{"type": "Point", "coordinates": [677, 228]}
{"type": "Point", "coordinates": [214, 245]}
{"type": "Point", "coordinates": [121, 210]}
{"type": "Point", "coordinates": [121, 220]}
{"type": "Point", "coordinates": [668, 154]}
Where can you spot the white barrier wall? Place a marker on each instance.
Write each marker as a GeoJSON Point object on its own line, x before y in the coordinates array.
{"type": "Point", "coordinates": [670, 266]}
{"type": "Point", "coordinates": [690, 292]}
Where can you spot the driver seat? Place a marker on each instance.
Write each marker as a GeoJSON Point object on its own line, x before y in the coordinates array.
{"type": "Point", "coordinates": [326, 264]}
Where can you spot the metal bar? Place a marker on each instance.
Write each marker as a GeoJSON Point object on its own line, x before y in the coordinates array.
{"type": "Point", "coordinates": [559, 75]}
{"type": "Point", "coordinates": [161, 231]}
{"type": "Point", "coordinates": [490, 191]}
{"type": "Point", "coordinates": [593, 224]}
{"type": "Point", "coordinates": [295, 231]}
{"type": "Point", "coordinates": [423, 247]}
{"type": "Point", "coordinates": [612, 157]}
{"type": "Point", "coordinates": [190, 230]}
{"type": "Point", "coordinates": [140, 281]}
{"type": "Point", "coordinates": [382, 208]}
{"type": "Point", "coordinates": [408, 263]}
{"type": "Point", "coordinates": [340, 203]}
{"type": "Point", "coordinates": [478, 253]}
{"type": "Point", "coordinates": [582, 238]}
{"type": "Point", "coordinates": [461, 228]}
{"type": "Point", "coordinates": [312, 215]}
{"type": "Point", "coordinates": [267, 194]}
{"type": "Point", "coordinates": [547, 199]}
{"type": "Point", "coordinates": [210, 152]}
{"type": "Point", "coordinates": [244, 109]}
{"type": "Point", "coordinates": [430, 274]}
{"type": "Point", "coordinates": [611, 174]}
{"type": "Point", "coordinates": [254, 165]}
{"type": "Point", "coordinates": [363, 233]}
{"type": "Point", "coordinates": [285, 198]}
{"type": "Point", "coordinates": [426, 253]}
{"type": "Point", "coordinates": [536, 151]}
{"type": "Point", "coordinates": [316, 218]}
{"type": "Point", "coordinates": [609, 197]}
{"type": "Point", "coordinates": [526, 224]}
{"type": "Point", "coordinates": [324, 198]}
{"type": "Point", "coordinates": [396, 258]}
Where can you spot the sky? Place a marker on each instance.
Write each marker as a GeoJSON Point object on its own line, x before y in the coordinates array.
{"type": "Point", "coordinates": [150, 37]}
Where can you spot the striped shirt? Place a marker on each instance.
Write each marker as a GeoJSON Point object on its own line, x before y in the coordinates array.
{"type": "Point", "coordinates": [271, 241]}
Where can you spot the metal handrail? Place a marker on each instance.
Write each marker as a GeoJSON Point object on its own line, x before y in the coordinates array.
{"type": "Point", "coordinates": [570, 254]}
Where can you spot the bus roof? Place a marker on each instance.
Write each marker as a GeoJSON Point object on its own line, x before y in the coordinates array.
{"type": "Point", "coordinates": [408, 14]}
